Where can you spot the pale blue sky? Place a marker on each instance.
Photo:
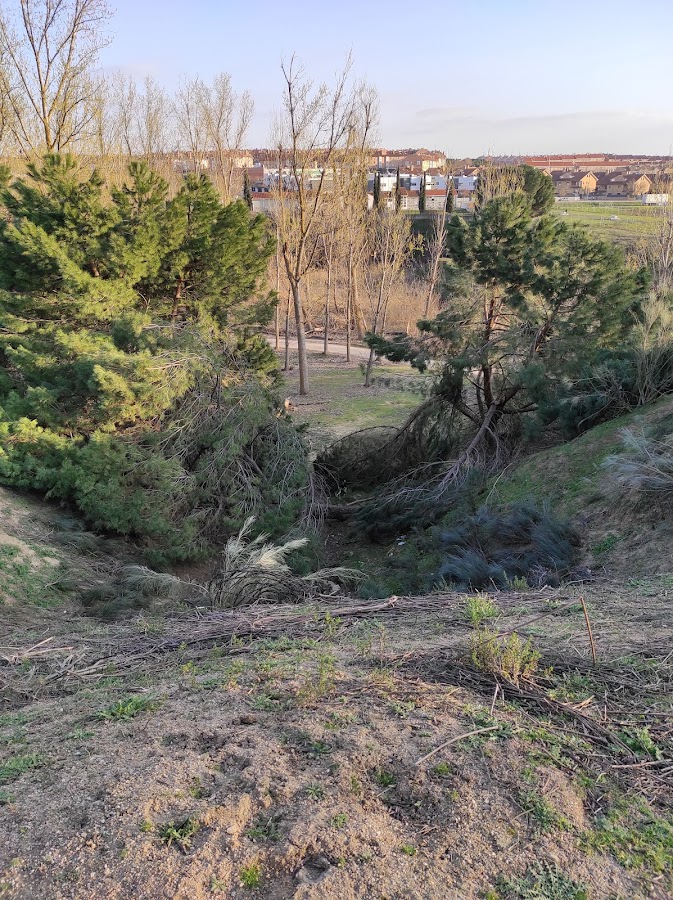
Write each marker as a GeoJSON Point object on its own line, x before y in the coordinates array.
{"type": "Point", "coordinates": [509, 76]}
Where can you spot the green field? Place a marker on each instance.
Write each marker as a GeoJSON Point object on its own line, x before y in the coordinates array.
{"type": "Point", "coordinates": [625, 221]}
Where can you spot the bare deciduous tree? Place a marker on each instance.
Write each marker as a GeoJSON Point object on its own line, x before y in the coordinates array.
{"type": "Point", "coordinates": [311, 135]}
{"type": "Point", "coordinates": [152, 114]}
{"type": "Point", "coordinates": [48, 53]}
{"type": "Point", "coordinates": [226, 118]}
{"type": "Point", "coordinates": [389, 246]}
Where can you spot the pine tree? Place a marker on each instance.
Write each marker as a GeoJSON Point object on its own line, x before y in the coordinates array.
{"type": "Point", "coordinates": [450, 195]}
{"type": "Point", "coordinates": [377, 190]}
{"type": "Point", "coordinates": [247, 191]}
{"type": "Point", "coordinates": [421, 195]}
{"type": "Point", "coordinates": [398, 191]}
{"type": "Point", "coordinates": [116, 311]}
{"type": "Point", "coordinates": [539, 299]}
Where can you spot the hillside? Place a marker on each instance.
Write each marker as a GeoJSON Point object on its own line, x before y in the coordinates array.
{"type": "Point", "coordinates": [347, 748]}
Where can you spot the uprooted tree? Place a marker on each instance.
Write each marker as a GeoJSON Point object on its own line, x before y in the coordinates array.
{"type": "Point", "coordinates": [132, 381]}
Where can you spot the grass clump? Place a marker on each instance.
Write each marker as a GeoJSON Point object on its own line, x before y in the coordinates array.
{"type": "Point", "coordinates": [507, 656]}
{"type": "Point", "coordinates": [127, 708]}
{"type": "Point", "coordinates": [523, 543]}
{"type": "Point", "coordinates": [11, 768]}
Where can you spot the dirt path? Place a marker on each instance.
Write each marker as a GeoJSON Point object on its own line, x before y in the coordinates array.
{"type": "Point", "coordinates": [315, 345]}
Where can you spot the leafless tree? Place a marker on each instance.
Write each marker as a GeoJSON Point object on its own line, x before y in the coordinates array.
{"type": "Point", "coordinates": [311, 133]}
{"type": "Point", "coordinates": [152, 116]}
{"type": "Point", "coordinates": [226, 119]}
{"type": "Point", "coordinates": [389, 246]}
{"type": "Point", "coordinates": [48, 54]}
{"type": "Point", "coordinates": [190, 108]}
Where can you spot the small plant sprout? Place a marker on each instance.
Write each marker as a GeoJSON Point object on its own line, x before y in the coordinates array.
{"type": "Point", "coordinates": [315, 791]}
{"type": "Point", "coordinates": [251, 875]}
{"type": "Point", "coordinates": [339, 821]}
{"type": "Point", "coordinates": [409, 849]}
{"type": "Point", "coordinates": [180, 833]}
{"type": "Point", "coordinates": [384, 779]}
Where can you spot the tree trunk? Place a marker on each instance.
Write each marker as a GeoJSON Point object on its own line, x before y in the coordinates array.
{"type": "Point", "coordinates": [287, 334]}
{"type": "Point", "coordinates": [368, 372]}
{"type": "Point", "coordinates": [327, 293]}
{"type": "Point", "coordinates": [360, 323]}
{"type": "Point", "coordinates": [301, 339]}
{"type": "Point", "coordinates": [349, 311]}
{"type": "Point", "coordinates": [277, 323]}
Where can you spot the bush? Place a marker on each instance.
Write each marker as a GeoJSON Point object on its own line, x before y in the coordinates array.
{"type": "Point", "coordinates": [506, 656]}
{"type": "Point", "coordinates": [492, 549]}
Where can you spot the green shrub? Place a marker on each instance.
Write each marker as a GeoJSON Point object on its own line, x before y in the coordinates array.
{"type": "Point", "coordinates": [506, 656]}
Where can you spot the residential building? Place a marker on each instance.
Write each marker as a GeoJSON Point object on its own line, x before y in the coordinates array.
{"type": "Point", "coordinates": [567, 184]}
{"type": "Point", "coordinates": [624, 184]}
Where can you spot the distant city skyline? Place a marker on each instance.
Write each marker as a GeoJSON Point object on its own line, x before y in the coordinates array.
{"type": "Point", "coordinates": [518, 77]}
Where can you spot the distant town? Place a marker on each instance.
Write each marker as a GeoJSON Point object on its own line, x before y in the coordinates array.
{"type": "Point", "coordinates": [418, 179]}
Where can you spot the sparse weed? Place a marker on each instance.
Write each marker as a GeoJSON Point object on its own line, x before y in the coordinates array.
{"type": "Point", "coordinates": [384, 779]}
{"type": "Point", "coordinates": [196, 788]}
{"type": "Point", "coordinates": [543, 815]}
{"type": "Point", "coordinates": [315, 791]}
{"type": "Point", "coordinates": [409, 849]}
{"type": "Point", "coordinates": [607, 545]}
{"type": "Point", "coordinates": [79, 734]}
{"type": "Point", "coordinates": [265, 829]}
{"type": "Point", "coordinates": [635, 835]}
{"type": "Point", "coordinates": [641, 743]}
{"type": "Point", "coordinates": [180, 833]}
{"type": "Point", "coordinates": [443, 769]}
{"type": "Point", "coordinates": [320, 683]}
{"type": "Point", "coordinates": [339, 821]}
{"type": "Point", "coordinates": [11, 768]}
{"type": "Point", "coordinates": [402, 708]}
{"type": "Point", "coordinates": [264, 702]}
{"type": "Point", "coordinates": [541, 882]}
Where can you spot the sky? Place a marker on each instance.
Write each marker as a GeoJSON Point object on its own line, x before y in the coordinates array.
{"type": "Point", "coordinates": [498, 76]}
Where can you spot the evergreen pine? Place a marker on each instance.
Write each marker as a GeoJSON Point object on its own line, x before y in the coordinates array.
{"type": "Point", "coordinates": [124, 315]}
{"type": "Point", "coordinates": [450, 195]}
{"type": "Point", "coordinates": [247, 191]}
{"type": "Point", "coordinates": [421, 195]}
{"type": "Point", "coordinates": [377, 190]}
{"type": "Point", "coordinates": [398, 191]}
